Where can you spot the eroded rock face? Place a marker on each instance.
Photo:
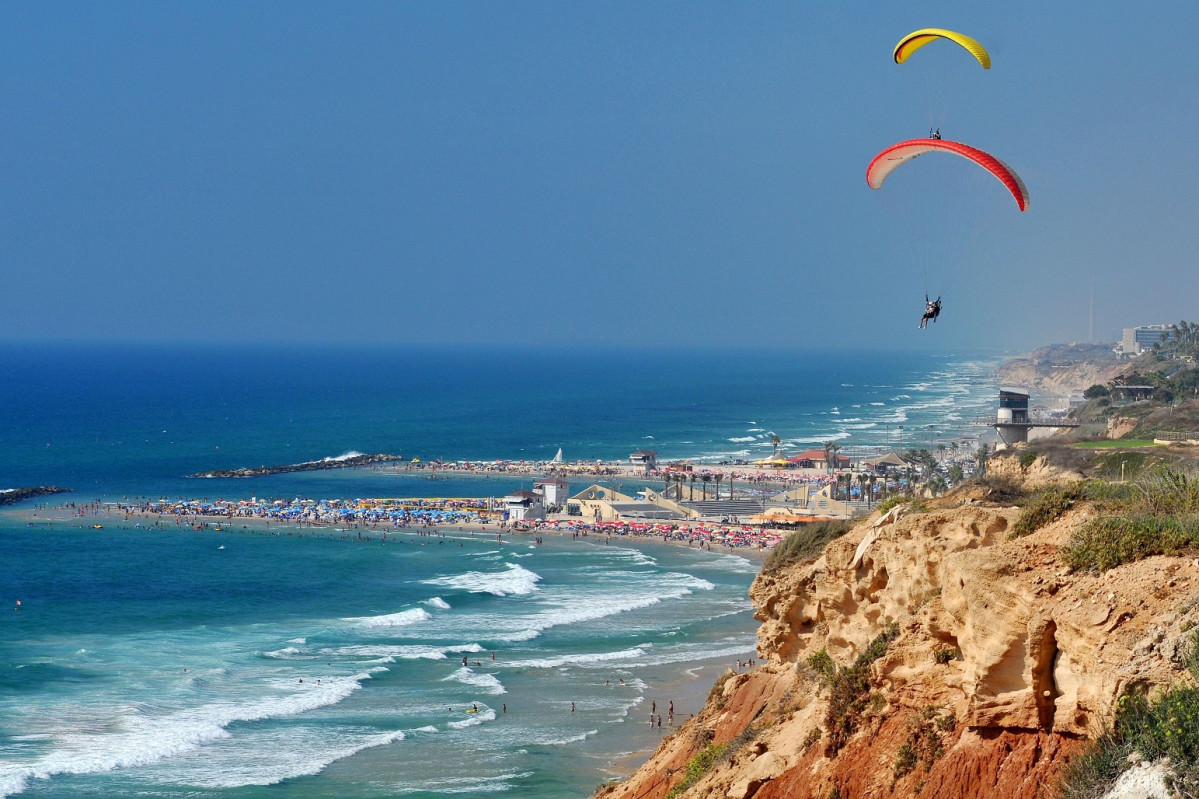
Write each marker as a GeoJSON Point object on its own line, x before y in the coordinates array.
{"type": "Point", "coordinates": [1005, 662]}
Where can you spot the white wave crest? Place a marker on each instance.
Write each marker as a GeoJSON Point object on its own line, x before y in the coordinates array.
{"type": "Point", "coordinates": [144, 740]}
{"type": "Point", "coordinates": [437, 602]}
{"type": "Point", "coordinates": [286, 653]}
{"type": "Point", "coordinates": [581, 659]}
{"type": "Point", "coordinates": [298, 756]}
{"type": "Point", "coordinates": [485, 714]}
{"type": "Point", "coordinates": [351, 454]}
{"type": "Point", "coordinates": [401, 619]}
{"type": "Point", "coordinates": [516, 581]}
{"type": "Point", "coordinates": [489, 683]}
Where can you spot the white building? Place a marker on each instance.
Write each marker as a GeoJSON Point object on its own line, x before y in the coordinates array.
{"type": "Point", "coordinates": [646, 458]}
{"type": "Point", "coordinates": [554, 491]}
{"type": "Point", "coordinates": [1139, 339]}
{"type": "Point", "coordinates": [524, 506]}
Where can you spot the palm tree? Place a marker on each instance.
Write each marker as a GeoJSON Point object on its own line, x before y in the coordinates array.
{"type": "Point", "coordinates": [871, 497]}
{"type": "Point", "coordinates": [707, 478]}
{"type": "Point", "coordinates": [691, 496]}
{"type": "Point", "coordinates": [719, 478]}
{"type": "Point", "coordinates": [830, 452]}
{"type": "Point", "coordinates": [941, 452]}
{"type": "Point", "coordinates": [775, 440]}
{"type": "Point", "coordinates": [980, 458]}
{"type": "Point", "coordinates": [953, 447]}
{"type": "Point", "coordinates": [864, 481]}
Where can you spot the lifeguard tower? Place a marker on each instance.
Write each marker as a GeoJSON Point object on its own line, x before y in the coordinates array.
{"type": "Point", "coordinates": [1013, 421]}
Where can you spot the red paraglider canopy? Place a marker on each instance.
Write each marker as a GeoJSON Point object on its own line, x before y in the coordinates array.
{"type": "Point", "coordinates": [897, 155]}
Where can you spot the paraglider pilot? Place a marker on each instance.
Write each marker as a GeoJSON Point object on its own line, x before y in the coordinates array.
{"type": "Point", "coordinates": [932, 309]}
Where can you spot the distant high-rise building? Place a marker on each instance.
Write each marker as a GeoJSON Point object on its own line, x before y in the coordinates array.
{"type": "Point", "coordinates": [1139, 339]}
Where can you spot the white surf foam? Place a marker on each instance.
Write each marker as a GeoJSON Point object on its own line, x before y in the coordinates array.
{"type": "Point", "coordinates": [516, 581]}
{"type": "Point", "coordinates": [484, 714]}
{"type": "Point", "coordinates": [143, 739]}
{"type": "Point", "coordinates": [579, 659]}
{"type": "Point", "coordinates": [287, 653]}
{"type": "Point", "coordinates": [486, 682]}
{"type": "Point", "coordinates": [401, 619]}
{"type": "Point", "coordinates": [475, 785]}
{"type": "Point", "coordinates": [388, 653]}
{"type": "Point", "coordinates": [300, 754]}
{"type": "Point", "coordinates": [437, 602]}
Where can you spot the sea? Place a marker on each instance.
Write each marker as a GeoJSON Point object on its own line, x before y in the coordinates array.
{"type": "Point", "coordinates": [270, 661]}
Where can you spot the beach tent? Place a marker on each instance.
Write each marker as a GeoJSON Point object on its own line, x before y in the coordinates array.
{"type": "Point", "coordinates": [778, 462]}
{"type": "Point", "coordinates": [891, 460]}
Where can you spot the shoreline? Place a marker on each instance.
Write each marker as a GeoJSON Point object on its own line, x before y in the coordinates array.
{"type": "Point", "coordinates": [107, 516]}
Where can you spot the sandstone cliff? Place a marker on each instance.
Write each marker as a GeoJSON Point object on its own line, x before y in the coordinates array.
{"type": "Point", "coordinates": [1063, 369]}
{"type": "Point", "coordinates": [1000, 664]}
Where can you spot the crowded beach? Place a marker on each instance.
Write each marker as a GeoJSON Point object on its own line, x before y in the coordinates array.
{"type": "Point", "coordinates": [396, 516]}
{"type": "Point", "coordinates": [725, 505]}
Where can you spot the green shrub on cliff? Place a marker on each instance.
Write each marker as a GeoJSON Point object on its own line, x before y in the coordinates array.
{"type": "Point", "coordinates": [804, 544]}
{"type": "Point", "coordinates": [1156, 515]}
{"type": "Point", "coordinates": [1167, 727]}
{"type": "Point", "coordinates": [1045, 507]}
{"type": "Point", "coordinates": [697, 767]}
{"type": "Point", "coordinates": [850, 691]}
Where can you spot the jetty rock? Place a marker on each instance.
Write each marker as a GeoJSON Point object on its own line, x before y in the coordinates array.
{"type": "Point", "coordinates": [344, 462]}
{"type": "Point", "coordinates": [996, 664]}
{"type": "Point", "coordinates": [11, 496]}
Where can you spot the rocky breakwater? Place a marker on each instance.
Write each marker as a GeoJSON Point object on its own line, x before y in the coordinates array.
{"type": "Point", "coordinates": [343, 462]}
{"type": "Point", "coordinates": [11, 496]}
{"type": "Point", "coordinates": [932, 654]}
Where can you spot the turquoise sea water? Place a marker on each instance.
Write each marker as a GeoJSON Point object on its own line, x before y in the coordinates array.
{"type": "Point", "coordinates": [168, 662]}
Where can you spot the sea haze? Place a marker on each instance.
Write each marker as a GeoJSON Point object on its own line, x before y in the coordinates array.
{"type": "Point", "coordinates": [114, 420]}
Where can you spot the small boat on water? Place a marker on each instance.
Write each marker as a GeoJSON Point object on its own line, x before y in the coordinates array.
{"type": "Point", "coordinates": [97, 527]}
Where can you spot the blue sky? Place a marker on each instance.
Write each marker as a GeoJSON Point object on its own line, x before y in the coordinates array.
{"type": "Point", "coordinates": [591, 173]}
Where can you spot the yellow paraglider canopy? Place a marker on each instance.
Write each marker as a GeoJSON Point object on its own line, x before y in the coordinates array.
{"type": "Point", "coordinates": [917, 39]}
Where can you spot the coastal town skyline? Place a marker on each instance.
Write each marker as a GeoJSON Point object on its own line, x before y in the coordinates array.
{"type": "Point", "coordinates": [563, 175]}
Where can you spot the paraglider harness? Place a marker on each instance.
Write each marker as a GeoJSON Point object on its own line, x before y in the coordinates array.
{"type": "Point", "coordinates": [932, 309]}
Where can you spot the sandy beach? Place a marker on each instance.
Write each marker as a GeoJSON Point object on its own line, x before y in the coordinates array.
{"type": "Point", "coordinates": [185, 515]}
